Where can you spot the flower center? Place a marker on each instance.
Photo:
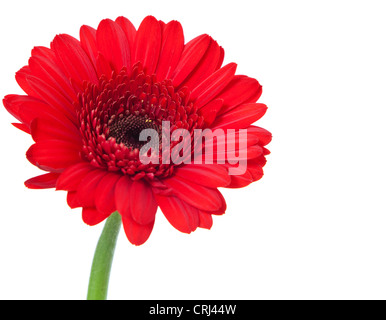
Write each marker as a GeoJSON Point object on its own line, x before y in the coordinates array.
{"type": "Point", "coordinates": [113, 113]}
{"type": "Point", "coordinates": [127, 129]}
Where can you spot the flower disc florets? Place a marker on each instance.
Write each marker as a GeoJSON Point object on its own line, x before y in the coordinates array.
{"type": "Point", "coordinates": [113, 113]}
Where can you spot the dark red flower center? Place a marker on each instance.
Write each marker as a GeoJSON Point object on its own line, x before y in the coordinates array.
{"type": "Point", "coordinates": [113, 113]}
{"type": "Point", "coordinates": [127, 129]}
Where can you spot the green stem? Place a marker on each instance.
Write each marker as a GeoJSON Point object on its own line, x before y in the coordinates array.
{"type": "Point", "coordinates": [103, 258]}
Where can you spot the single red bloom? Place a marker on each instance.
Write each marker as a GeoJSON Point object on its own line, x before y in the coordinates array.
{"type": "Point", "coordinates": [87, 101]}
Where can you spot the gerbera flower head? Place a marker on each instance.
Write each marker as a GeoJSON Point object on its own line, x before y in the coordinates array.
{"type": "Point", "coordinates": [88, 102]}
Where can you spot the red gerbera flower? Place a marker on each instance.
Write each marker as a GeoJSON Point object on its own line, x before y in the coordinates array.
{"type": "Point", "coordinates": [87, 101]}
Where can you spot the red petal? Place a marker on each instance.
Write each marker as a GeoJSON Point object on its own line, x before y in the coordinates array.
{"type": "Point", "coordinates": [48, 129]}
{"type": "Point", "coordinates": [12, 103]}
{"type": "Point", "coordinates": [205, 67]}
{"type": "Point", "coordinates": [210, 110]}
{"type": "Point", "coordinates": [44, 181]}
{"type": "Point", "coordinates": [240, 90]}
{"type": "Point", "coordinates": [122, 196]}
{"type": "Point", "coordinates": [240, 181]}
{"type": "Point", "coordinates": [208, 175]}
{"type": "Point", "coordinates": [221, 59]}
{"type": "Point", "coordinates": [103, 66]}
{"type": "Point", "coordinates": [142, 203]}
{"type": "Point", "coordinates": [193, 214]}
{"type": "Point", "coordinates": [175, 212]}
{"type": "Point", "coordinates": [53, 98]}
{"type": "Point", "coordinates": [260, 161]}
{"type": "Point", "coordinates": [136, 233]}
{"type": "Point", "coordinates": [193, 52]}
{"type": "Point", "coordinates": [113, 44]}
{"type": "Point", "coordinates": [221, 147]}
{"type": "Point", "coordinates": [128, 28]}
{"type": "Point", "coordinates": [87, 187]}
{"type": "Point", "coordinates": [256, 171]}
{"type": "Point", "coordinates": [45, 52]}
{"type": "Point", "coordinates": [130, 32]}
{"type": "Point", "coordinates": [105, 193]}
{"type": "Point", "coordinates": [21, 79]}
{"type": "Point", "coordinates": [73, 60]}
{"type": "Point", "coordinates": [22, 127]}
{"type": "Point", "coordinates": [171, 49]}
{"type": "Point", "coordinates": [263, 135]}
{"type": "Point", "coordinates": [88, 42]}
{"type": "Point", "coordinates": [206, 220]}
{"type": "Point", "coordinates": [213, 85]}
{"type": "Point", "coordinates": [245, 154]}
{"type": "Point", "coordinates": [50, 73]}
{"type": "Point", "coordinates": [72, 200]}
{"type": "Point", "coordinates": [240, 117]}
{"type": "Point", "coordinates": [223, 207]}
{"type": "Point", "coordinates": [148, 43]}
{"type": "Point", "coordinates": [194, 194]}
{"type": "Point", "coordinates": [92, 216]}
{"type": "Point", "coordinates": [26, 108]}
{"type": "Point", "coordinates": [72, 176]}
{"type": "Point", "coordinates": [226, 142]}
{"type": "Point", "coordinates": [53, 155]}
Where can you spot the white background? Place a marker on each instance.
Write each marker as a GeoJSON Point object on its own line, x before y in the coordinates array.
{"type": "Point", "coordinates": [313, 228]}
